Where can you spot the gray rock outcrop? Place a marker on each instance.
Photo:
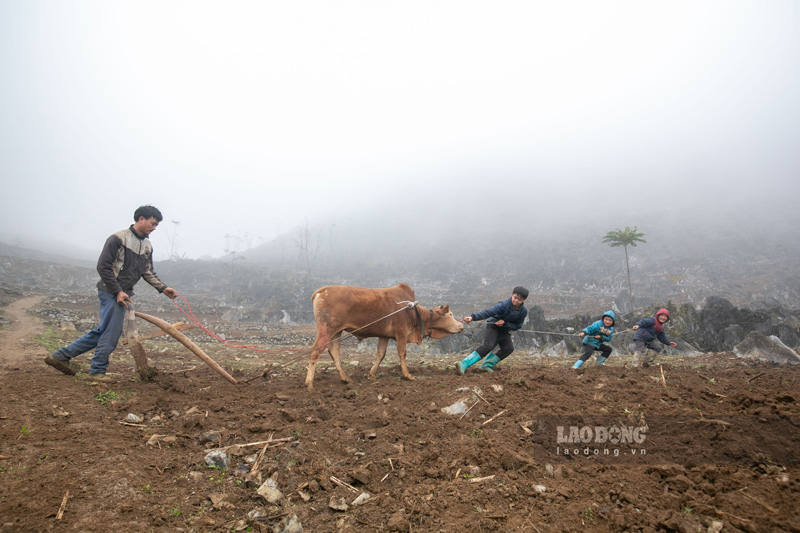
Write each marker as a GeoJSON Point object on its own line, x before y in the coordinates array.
{"type": "Point", "coordinates": [770, 349]}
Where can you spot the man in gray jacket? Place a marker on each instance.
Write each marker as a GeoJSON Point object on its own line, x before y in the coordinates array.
{"type": "Point", "coordinates": [126, 257]}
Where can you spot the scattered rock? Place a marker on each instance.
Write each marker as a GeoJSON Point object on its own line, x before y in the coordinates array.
{"type": "Point", "coordinates": [362, 475]}
{"type": "Point", "coordinates": [134, 419]}
{"type": "Point", "coordinates": [209, 437]}
{"type": "Point", "coordinates": [290, 524]}
{"type": "Point", "coordinates": [458, 408]}
{"type": "Point", "coordinates": [324, 483]}
{"type": "Point", "coordinates": [558, 349]}
{"type": "Point", "coordinates": [338, 504]}
{"type": "Point", "coordinates": [219, 501]}
{"type": "Point", "coordinates": [218, 459]}
{"type": "Point", "coordinates": [58, 411]}
{"type": "Point", "coordinates": [269, 491]}
{"type": "Point", "coordinates": [258, 515]}
{"type": "Point", "coordinates": [761, 348]}
{"type": "Point", "coordinates": [361, 498]}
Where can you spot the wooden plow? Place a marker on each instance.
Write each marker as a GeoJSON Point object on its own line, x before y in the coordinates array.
{"type": "Point", "coordinates": [132, 339]}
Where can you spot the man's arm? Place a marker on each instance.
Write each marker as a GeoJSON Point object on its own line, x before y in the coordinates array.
{"type": "Point", "coordinates": [105, 264]}
{"type": "Point", "coordinates": [488, 313]}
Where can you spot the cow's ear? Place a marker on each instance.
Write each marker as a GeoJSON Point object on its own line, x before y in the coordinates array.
{"type": "Point", "coordinates": [446, 308]}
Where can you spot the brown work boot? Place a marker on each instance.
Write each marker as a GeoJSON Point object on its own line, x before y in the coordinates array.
{"type": "Point", "coordinates": [101, 378]}
{"type": "Point", "coordinates": [61, 366]}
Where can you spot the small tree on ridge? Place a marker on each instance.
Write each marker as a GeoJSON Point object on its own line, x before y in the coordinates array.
{"type": "Point", "coordinates": [625, 238]}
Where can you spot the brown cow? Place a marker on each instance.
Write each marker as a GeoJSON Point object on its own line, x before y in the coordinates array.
{"type": "Point", "coordinates": [382, 313]}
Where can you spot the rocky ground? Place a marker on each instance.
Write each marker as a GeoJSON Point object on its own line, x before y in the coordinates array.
{"type": "Point", "coordinates": [705, 443]}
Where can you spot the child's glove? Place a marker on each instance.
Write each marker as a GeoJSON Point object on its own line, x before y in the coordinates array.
{"type": "Point", "coordinates": [605, 331]}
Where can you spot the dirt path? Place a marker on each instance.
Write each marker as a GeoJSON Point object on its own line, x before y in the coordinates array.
{"type": "Point", "coordinates": [16, 341]}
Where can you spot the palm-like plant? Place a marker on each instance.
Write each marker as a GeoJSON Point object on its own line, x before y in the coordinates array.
{"type": "Point", "coordinates": [625, 238]}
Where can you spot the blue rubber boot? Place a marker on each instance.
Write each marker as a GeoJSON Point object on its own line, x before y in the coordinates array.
{"type": "Point", "coordinates": [601, 360]}
{"type": "Point", "coordinates": [489, 362]}
{"type": "Point", "coordinates": [578, 364]}
{"type": "Point", "coordinates": [467, 362]}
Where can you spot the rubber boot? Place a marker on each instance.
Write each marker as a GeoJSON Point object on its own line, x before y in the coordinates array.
{"type": "Point", "coordinates": [489, 362]}
{"type": "Point", "coordinates": [601, 360]}
{"type": "Point", "coordinates": [467, 362]}
{"type": "Point", "coordinates": [578, 364]}
{"type": "Point", "coordinates": [636, 359]}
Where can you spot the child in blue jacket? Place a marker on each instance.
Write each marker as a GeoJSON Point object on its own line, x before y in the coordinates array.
{"type": "Point", "coordinates": [594, 336]}
{"type": "Point", "coordinates": [647, 331]}
{"type": "Point", "coordinates": [503, 318]}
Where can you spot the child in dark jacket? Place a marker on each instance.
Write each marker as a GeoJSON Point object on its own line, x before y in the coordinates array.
{"type": "Point", "coordinates": [503, 318]}
{"type": "Point", "coordinates": [647, 331]}
{"type": "Point", "coordinates": [594, 336]}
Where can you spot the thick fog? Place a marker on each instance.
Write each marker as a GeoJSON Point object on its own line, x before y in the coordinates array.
{"type": "Point", "coordinates": [378, 126]}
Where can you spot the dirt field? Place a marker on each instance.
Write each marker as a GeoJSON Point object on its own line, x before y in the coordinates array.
{"type": "Point", "coordinates": [711, 444]}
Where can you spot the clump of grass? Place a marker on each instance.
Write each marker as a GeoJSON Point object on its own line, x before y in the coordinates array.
{"type": "Point", "coordinates": [106, 398]}
{"type": "Point", "coordinates": [53, 338]}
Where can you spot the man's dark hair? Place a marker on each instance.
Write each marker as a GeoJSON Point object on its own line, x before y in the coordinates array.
{"type": "Point", "coordinates": [520, 291]}
{"type": "Point", "coordinates": [148, 212]}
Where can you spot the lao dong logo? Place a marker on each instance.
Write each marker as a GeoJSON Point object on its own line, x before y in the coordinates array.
{"type": "Point", "coordinates": [601, 440]}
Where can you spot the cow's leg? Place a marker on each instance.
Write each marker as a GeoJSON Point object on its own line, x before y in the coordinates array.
{"type": "Point", "coordinates": [316, 350]}
{"type": "Point", "coordinates": [333, 349]}
{"type": "Point", "coordinates": [383, 342]}
{"type": "Point", "coordinates": [401, 352]}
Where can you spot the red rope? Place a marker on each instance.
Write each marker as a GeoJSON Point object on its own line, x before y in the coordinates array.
{"type": "Point", "coordinates": [229, 344]}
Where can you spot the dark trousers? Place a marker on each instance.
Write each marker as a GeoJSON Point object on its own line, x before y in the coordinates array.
{"type": "Point", "coordinates": [588, 350]}
{"type": "Point", "coordinates": [496, 336]}
{"type": "Point", "coordinates": [642, 346]}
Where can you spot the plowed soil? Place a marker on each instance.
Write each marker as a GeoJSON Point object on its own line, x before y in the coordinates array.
{"type": "Point", "coordinates": [706, 443]}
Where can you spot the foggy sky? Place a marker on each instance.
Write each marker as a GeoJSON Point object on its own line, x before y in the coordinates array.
{"type": "Point", "coordinates": [247, 119]}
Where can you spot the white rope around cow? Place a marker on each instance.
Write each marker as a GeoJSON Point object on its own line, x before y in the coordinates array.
{"type": "Point", "coordinates": [409, 305]}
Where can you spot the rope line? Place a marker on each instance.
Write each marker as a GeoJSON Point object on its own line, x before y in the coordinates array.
{"type": "Point", "coordinates": [349, 334]}
{"type": "Point", "coordinates": [565, 334]}
{"type": "Point", "coordinates": [229, 344]}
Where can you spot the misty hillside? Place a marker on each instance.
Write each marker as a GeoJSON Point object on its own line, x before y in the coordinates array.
{"type": "Point", "coordinates": [568, 269]}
